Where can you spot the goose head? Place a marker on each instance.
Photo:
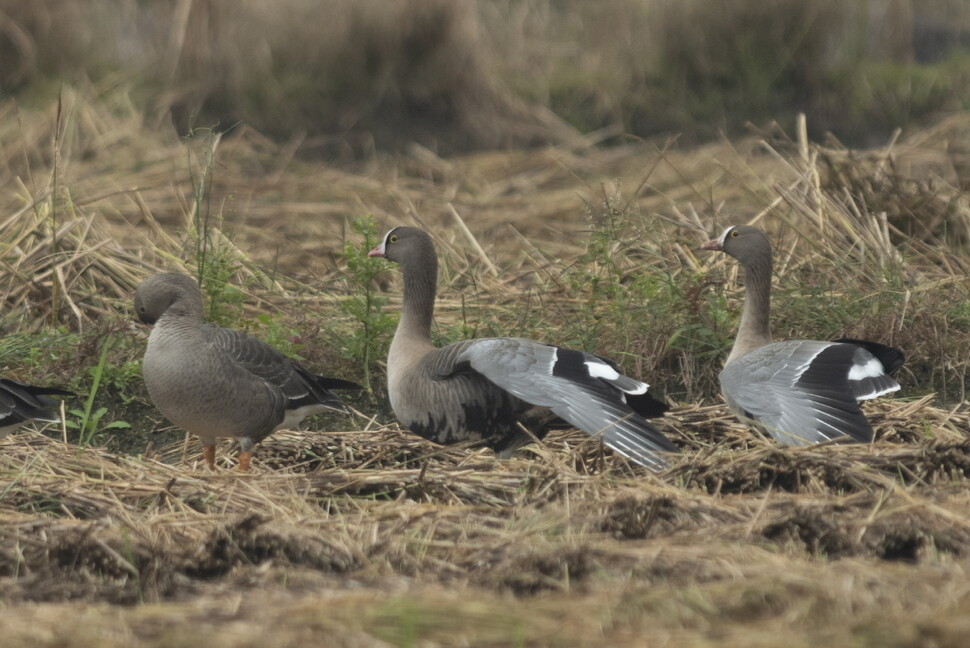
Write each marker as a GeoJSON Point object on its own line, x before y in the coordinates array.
{"type": "Point", "coordinates": [743, 242]}
{"type": "Point", "coordinates": [157, 294]}
{"type": "Point", "coordinates": [403, 245]}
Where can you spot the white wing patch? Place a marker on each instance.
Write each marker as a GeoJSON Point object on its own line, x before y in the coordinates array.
{"type": "Point", "coordinates": [642, 389]}
{"type": "Point", "coordinates": [871, 369]}
{"type": "Point", "coordinates": [601, 370]}
{"type": "Point", "coordinates": [625, 384]}
{"type": "Point", "coordinates": [878, 393]}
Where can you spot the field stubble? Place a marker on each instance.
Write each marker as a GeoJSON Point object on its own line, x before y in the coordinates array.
{"type": "Point", "coordinates": [370, 536]}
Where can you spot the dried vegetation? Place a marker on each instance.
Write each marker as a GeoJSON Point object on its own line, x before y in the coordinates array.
{"type": "Point", "coordinates": [360, 531]}
{"type": "Point", "coordinates": [369, 536]}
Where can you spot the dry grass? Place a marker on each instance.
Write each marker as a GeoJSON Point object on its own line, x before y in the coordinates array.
{"type": "Point", "coordinates": [370, 536]}
{"type": "Point", "coordinates": [377, 535]}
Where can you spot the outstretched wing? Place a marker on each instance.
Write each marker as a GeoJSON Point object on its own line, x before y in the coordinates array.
{"type": "Point", "coordinates": [579, 387]}
{"type": "Point", "coordinates": [891, 358]}
{"type": "Point", "coordinates": [804, 392]}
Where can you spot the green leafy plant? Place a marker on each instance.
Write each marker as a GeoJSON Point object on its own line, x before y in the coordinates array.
{"type": "Point", "coordinates": [88, 423]}
{"type": "Point", "coordinates": [368, 341]}
{"type": "Point", "coordinates": [216, 259]}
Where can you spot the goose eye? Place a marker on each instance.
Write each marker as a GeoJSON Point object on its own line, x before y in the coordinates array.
{"type": "Point", "coordinates": [392, 239]}
{"type": "Point", "coordinates": [734, 233]}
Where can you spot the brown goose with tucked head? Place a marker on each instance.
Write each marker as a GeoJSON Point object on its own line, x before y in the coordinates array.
{"type": "Point", "coordinates": [800, 391]}
{"type": "Point", "coordinates": [487, 389]}
{"type": "Point", "coordinates": [217, 382]}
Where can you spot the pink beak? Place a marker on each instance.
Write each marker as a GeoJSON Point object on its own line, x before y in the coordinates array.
{"type": "Point", "coordinates": [712, 245]}
{"type": "Point", "coordinates": [378, 251]}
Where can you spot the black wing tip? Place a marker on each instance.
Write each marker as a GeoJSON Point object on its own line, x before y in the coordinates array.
{"type": "Point", "coordinates": [323, 382]}
{"type": "Point", "coordinates": [646, 405]}
{"type": "Point", "coordinates": [892, 359]}
{"type": "Point", "coordinates": [53, 391]}
{"type": "Point", "coordinates": [337, 383]}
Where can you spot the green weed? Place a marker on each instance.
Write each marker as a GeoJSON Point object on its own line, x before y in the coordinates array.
{"type": "Point", "coordinates": [630, 306]}
{"type": "Point", "coordinates": [368, 341]}
{"type": "Point", "coordinates": [215, 258]}
{"type": "Point", "coordinates": [88, 420]}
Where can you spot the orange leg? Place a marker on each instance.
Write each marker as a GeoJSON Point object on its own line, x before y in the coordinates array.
{"type": "Point", "coordinates": [244, 458]}
{"type": "Point", "coordinates": [209, 454]}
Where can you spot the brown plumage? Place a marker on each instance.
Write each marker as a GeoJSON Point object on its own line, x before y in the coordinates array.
{"type": "Point", "coordinates": [217, 382]}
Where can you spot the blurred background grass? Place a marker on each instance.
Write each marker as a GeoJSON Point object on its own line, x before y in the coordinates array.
{"type": "Point", "coordinates": [348, 77]}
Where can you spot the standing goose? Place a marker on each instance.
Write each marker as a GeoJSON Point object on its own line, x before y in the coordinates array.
{"type": "Point", "coordinates": [488, 389]}
{"type": "Point", "coordinates": [20, 403]}
{"type": "Point", "coordinates": [800, 391]}
{"type": "Point", "coordinates": [216, 382]}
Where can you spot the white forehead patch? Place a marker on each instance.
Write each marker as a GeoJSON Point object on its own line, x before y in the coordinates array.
{"type": "Point", "coordinates": [724, 234]}
{"type": "Point", "coordinates": [387, 236]}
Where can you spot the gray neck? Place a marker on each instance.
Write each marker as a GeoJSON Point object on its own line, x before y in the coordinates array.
{"type": "Point", "coordinates": [755, 330]}
{"type": "Point", "coordinates": [420, 283]}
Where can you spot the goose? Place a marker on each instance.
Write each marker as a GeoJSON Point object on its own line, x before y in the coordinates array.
{"type": "Point", "coordinates": [800, 391]}
{"type": "Point", "coordinates": [499, 392]}
{"type": "Point", "coordinates": [219, 382]}
{"type": "Point", "coordinates": [20, 403]}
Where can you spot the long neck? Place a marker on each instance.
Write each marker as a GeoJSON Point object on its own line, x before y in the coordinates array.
{"type": "Point", "coordinates": [755, 330]}
{"type": "Point", "coordinates": [417, 311]}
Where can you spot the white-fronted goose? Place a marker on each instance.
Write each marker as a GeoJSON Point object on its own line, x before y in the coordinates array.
{"type": "Point", "coordinates": [488, 389]}
{"type": "Point", "coordinates": [799, 391]}
{"type": "Point", "coordinates": [20, 403]}
{"type": "Point", "coordinates": [217, 382]}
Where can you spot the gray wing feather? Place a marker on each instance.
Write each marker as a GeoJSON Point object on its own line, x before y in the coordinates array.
{"type": "Point", "coordinates": [255, 356]}
{"type": "Point", "coordinates": [777, 385]}
{"type": "Point", "coordinates": [524, 368]}
{"type": "Point", "coordinates": [265, 363]}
